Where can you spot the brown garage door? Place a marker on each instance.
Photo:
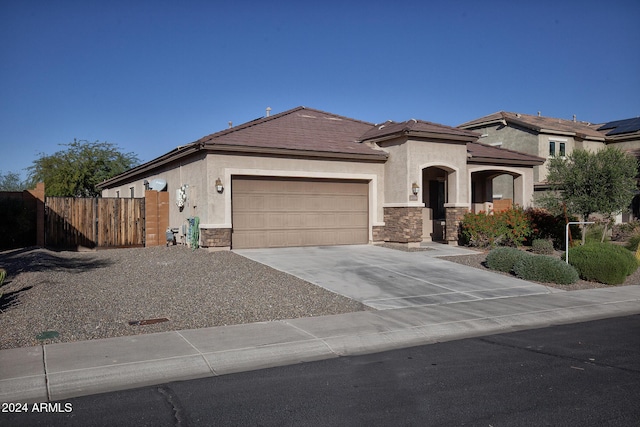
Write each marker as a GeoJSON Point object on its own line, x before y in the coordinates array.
{"type": "Point", "coordinates": [277, 212]}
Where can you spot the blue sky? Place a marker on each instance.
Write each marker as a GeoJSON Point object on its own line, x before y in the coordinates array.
{"type": "Point", "coordinates": [151, 75]}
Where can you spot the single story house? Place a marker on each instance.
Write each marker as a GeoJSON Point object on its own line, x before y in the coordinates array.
{"type": "Point", "coordinates": [306, 177]}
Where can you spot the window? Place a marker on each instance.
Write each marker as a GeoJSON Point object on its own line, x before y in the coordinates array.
{"type": "Point", "coordinates": [552, 148]}
{"type": "Point", "coordinates": [562, 149]}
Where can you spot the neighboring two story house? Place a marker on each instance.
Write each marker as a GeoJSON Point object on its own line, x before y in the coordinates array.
{"type": "Point", "coordinates": [548, 137]}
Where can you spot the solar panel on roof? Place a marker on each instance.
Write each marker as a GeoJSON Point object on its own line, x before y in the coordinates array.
{"type": "Point", "coordinates": [622, 126]}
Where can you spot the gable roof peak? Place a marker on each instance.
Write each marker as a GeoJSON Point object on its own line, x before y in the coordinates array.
{"type": "Point", "coordinates": [415, 127]}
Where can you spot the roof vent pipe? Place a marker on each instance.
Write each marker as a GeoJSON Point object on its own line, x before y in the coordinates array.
{"type": "Point", "coordinates": [539, 114]}
{"type": "Point", "coordinates": [268, 111]}
{"type": "Point", "coordinates": [574, 118]}
{"type": "Point", "coordinates": [230, 125]}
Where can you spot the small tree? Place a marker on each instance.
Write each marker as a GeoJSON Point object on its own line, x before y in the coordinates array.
{"type": "Point", "coordinates": [77, 171]}
{"type": "Point", "coordinates": [602, 182]}
{"type": "Point", "coordinates": [11, 181]}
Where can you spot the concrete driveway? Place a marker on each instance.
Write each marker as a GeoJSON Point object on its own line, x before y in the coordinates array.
{"type": "Point", "coordinates": [385, 278]}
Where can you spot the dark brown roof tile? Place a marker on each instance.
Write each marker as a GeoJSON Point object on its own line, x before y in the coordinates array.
{"type": "Point", "coordinates": [302, 129]}
{"type": "Point", "coordinates": [483, 153]}
{"type": "Point", "coordinates": [418, 128]}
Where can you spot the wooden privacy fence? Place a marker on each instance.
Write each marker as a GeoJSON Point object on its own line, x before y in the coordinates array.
{"type": "Point", "coordinates": [22, 218]}
{"type": "Point", "coordinates": [94, 222]}
{"type": "Point", "coordinates": [502, 205]}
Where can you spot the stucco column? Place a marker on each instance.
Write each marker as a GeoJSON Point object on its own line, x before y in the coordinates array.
{"type": "Point", "coordinates": [518, 190]}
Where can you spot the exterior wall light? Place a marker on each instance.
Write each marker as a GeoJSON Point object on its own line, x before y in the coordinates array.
{"type": "Point", "coordinates": [415, 189]}
{"type": "Point", "coordinates": [219, 186]}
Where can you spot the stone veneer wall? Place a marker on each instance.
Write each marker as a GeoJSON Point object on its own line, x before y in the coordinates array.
{"type": "Point", "coordinates": [454, 218]}
{"type": "Point", "coordinates": [378, 233]}
{"type": "Point", "coordinates": [403, 225]}
{"type": "Point", "coordinates": [215, 237]}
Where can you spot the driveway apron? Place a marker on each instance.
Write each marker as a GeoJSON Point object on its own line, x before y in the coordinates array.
{"type": "Point", "coordinates": [385, 278]}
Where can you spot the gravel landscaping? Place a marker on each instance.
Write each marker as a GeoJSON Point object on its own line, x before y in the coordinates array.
{"type": "Point", "coordinates": [71, 296]}
{"type": "Point", "coordinates": [91, 295]}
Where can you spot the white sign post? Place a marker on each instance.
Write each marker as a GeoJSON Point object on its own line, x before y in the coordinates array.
{"type": "Point", "coordinates": [566, 237]}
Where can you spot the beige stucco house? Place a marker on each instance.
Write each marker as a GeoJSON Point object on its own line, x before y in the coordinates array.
{"type": "Point", "coordinates": [307, 177]}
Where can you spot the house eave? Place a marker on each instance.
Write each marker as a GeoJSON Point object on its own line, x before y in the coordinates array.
{"type": "Point", "coordinates": [191, 149]}
{"type": "Point", "coordinates": [171, 156]}
{"type": "Point", "coordinates": [484, 124]}
{"type": "Point", "coordinates": [446, 137]}
{"type": "Point", "coordinates": [572, 134]}
{"type": "Point", "coordinates": [497, 161]}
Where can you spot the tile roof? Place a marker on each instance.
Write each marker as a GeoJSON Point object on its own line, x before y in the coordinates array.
{"type": "Point", "coordinates": [483, 153]}
{"type": "Point", "coordinates": [580, 129]}
{"type": "Point", "coordinates": [301, 128]}
{"type": "Point", "coordinates": [418, 128]}
{"type": "Point", "coordinates": [309, 132]}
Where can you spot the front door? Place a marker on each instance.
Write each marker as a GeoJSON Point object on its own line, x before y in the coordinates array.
{"type": "Point", "coordinates": [436, 203]}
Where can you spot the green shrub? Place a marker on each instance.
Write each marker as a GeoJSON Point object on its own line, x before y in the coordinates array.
{"type": "Point", "coordinates": [546, 269]}
{"type": "Point", "coordinates": [633, 243]}
{"type": "Point", "coordinates": [504, 258]}
{"type": "Point", "coordinates": [542, 247]}
{"type": "Point", "coordinates": [603, 262]}
{"type": "Point", "coordinates": [629, 261]}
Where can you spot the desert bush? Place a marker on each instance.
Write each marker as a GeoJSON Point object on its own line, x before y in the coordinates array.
{"type": "Point", "coordinates": [545, 225]}
{"type": "Point", "coordinates": [625, 231]}
{"type": "Point", "coordinates": [516, 226]}
{"type": "Point", "coordinates": [603, 262]}
{"type": "Point", "coordinates": [3, 275]}
{"type": "Point", "coordinates": [546, 269]}
{"type": "Point", "coordinates": [594, 233]}
{"type": "Point", "coordinates": [506, 228]}
{"type": "Point", "coordinates": [480, 229]}
{"type": "Point", "coordinates": [504, 258]}
{"type": "Point", "coordinates": [542, 247]}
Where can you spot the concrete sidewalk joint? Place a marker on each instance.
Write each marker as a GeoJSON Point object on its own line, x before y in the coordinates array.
{"type": "Point", "coordinates": [65, 370]}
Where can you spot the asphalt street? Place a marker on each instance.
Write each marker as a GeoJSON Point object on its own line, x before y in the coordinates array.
{"type": "Point", "coordinates": [585, 374]}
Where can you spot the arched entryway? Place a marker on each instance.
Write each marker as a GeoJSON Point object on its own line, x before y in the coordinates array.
{"type": "Point", "coordinates": [494, 189]}
{"type": "Point", "coordinates": [436, 186]}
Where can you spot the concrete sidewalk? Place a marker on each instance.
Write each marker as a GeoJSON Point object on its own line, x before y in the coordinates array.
{"type": "Point", "coordinates": [61, 371]}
